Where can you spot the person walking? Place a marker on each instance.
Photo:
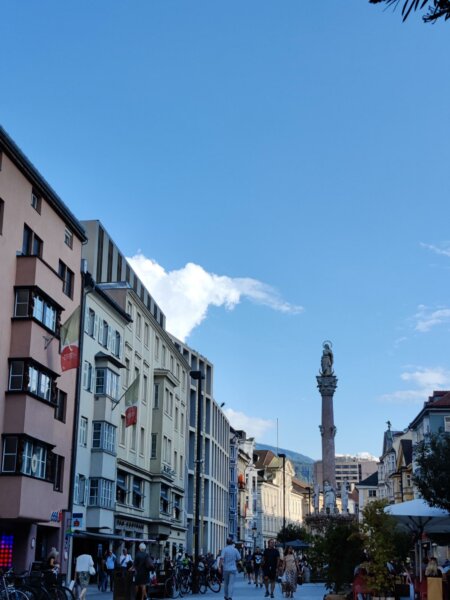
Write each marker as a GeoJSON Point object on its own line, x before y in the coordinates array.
{"type": "Point", "coordinates": [142, 566]}
{"type": "Point", "coordinates": [228, 559]}
{"type": "Point", "coordinates": [290, 572]}
{"type": "Point", "coordinates": [110, 563]}
{"type": "Point", "coordinates": [84, 568]}
{"type": "Point", "coordinates": [257, 560]}
{"type": "Point", "coordinates": [124, 560]}
{"type": "Point", "coordinates": [270, 562]}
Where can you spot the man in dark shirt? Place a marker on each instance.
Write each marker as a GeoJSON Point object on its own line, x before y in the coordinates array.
{"type": "Point", "coordinates": [271, 559]}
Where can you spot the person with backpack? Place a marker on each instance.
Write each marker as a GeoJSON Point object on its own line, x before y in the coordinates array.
{"type": "Point", "coordinates": [248, 562]}
{"type": "Point", "coordinates": [143, 564]}
{"type": "Point", "coordinates": [257, 560]}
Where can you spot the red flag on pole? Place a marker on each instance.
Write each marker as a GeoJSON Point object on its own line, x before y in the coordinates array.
{"type": "Point", "coordinates": [131, 402]}
{"type": "Point", "coordinates": [70, 341]}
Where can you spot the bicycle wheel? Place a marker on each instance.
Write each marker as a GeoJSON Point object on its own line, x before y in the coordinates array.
{"type": "Point", "coordinates": [214, 584]}
{"type": "Point", "coordinates": [67, 592]}
{"type": "Point", "coordinates": [202, 587]}
{"type": "Point", "coordinates": [171, 588]}
{"type": "Point", "coordinates": [29, 592]}
{"type": "Point", "coordinates": [185, 585]}
{"type": "Point", "coordinates": [15, 594]}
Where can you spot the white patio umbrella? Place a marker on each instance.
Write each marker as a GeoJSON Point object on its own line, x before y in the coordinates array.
{"type": "Point", "coordinates": [419, 517]}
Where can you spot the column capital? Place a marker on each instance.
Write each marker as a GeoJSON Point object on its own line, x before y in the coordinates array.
{"type": "Point", "coordinates": [327, 384]}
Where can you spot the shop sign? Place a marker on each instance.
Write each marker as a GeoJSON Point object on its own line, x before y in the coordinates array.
{"type": "Point", "coordinates": [129, 525]}
{"type": "Point", "coordinates": [77, 521]}
{"type": "Point", "coordinates": [56, 516]}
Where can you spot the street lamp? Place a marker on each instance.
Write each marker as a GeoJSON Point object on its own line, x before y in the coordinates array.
{"type": "Point", "coordinates": [283, 456]}
{"type": "Point", "coordinates": [198, 376]}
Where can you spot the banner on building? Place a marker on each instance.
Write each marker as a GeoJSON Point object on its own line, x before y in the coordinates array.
{"type": "Point", "coordinates": [70, 341]}
{"type": "Point", "coordinates": [131, 401]}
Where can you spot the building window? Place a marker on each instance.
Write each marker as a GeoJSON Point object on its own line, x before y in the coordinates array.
{"type": "Point", "coordinates": [133, 438]}
{"type": "Point", "coordinates": [91, 322]}
{"type": "Point", "coordinates": [106, 383]}
{"type": "Point", "coordinates": [100, 254]}
{"type": "Point", "coordinates": [182, 424]}
{"type": "Point", "coordinates": [104, 333]}
{"type": "Point", "coordinates": [164, 499]}
{"type": "Point", "coordinates": [28, 376]}
{"type": "Point", "coordinates": [137, 492]}
{"type": "Point", "coordinates": [146, 334]}
{"type": "Point", "coordinates": [153, 453]}
{"type": "Point", "coordinates": [23, 455]}
{"type": "Point", "coordinates": [156, 395]}
{"type": "Point", "coordinates": [130, 308]}
{"type": "Point", "coordinates": [2, 212]}
{"type": "Point", "coordinates": [101, 493]}
{"type": "Point", "coordinates": [157, 348]}
{"type": "Point", "coordinates": [87, 376]}
{"type": "Point", "coordinates": [142, 442]}
{"type": "Point", "coordinates": [68, 279]}
{"type": "Point", "coordinates": [119, 267]}
{"type": "Point", "coordinates": [60, 408]}
{"type": "Point", "coordinates": [176, 419]}
{"type": "Point", "coordinates": [104, 436]}
{"type": "Point", "coordinates": [138, 325]}
{"type": "Point", "coordinates": [117, 344]}
{"type": "Point", "coordinates": [127, 372]}
{"type": "Point", "coordinates": [29, 303]}
{"type": "Point", "coordinates": [121, 487]}
{"type": "Point", "coordinates": [36, 201]}
{"type": "Point", "coordinates": [144, 389]}
{"type": "Point", "coordinates": [123, 430]}
{"type": "Point", "coordinates": [177, 507]}
{"type": "Point", "coordinates": [447, 424]}
{"type": "Point", "coordinates": [31, 243]}
{"type": "Point", "coordinates": [372, 493]}
{"type": "Point", "coordinates": [58, 477]}
{"type": "Point", "coordinates": [80, 489]}
{"type": "Point", "coordinates": [83, 432]}
{"type": "Point", "coordinates": [68, 238]}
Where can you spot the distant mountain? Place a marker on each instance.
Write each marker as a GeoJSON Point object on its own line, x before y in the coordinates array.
{"type": "Point", "coordinates": [303, 465]}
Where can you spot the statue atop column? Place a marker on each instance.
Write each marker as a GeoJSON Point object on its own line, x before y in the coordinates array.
{"type": "Point", "coordinates": [326, 363]}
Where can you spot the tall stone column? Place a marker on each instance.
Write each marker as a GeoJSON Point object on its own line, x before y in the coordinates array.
{"type": "Point", "coordinates": [327, 383]}
{"type": "Point", "coordinates": [327, 386]}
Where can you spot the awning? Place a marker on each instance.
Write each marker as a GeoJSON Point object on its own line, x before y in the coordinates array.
{"type": "Point", "coordinates": [110, 536]}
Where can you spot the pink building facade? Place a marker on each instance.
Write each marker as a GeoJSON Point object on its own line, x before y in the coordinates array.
{"type": "Point", "coordinates": [40, 256]}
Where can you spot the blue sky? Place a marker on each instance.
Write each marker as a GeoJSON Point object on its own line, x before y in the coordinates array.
{"type": "Point", "coordinates": [279, 171]}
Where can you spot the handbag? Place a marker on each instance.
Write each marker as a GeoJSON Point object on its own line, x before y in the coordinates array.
{"type": "Point", "coordinates": [92, 570]}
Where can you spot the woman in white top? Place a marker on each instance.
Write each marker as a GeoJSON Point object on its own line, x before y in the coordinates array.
{"type": "Point", "coordinates": [84, 568]}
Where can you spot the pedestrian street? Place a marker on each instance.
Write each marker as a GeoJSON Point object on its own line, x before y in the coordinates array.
{"type": "Point", "coordinates": [242, 591]}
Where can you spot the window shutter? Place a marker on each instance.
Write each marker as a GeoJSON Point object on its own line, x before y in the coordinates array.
{"type": "Point", "coordinates": [109, 338]}
{"type": "Point", "coordinates": [100, 332]}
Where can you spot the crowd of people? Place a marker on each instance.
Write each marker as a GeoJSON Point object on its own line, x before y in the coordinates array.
{"type": "Point", "coordinates": [262, 568]}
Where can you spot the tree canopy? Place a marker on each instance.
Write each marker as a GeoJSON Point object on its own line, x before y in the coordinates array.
{"type": "Point", "coordinates": [435, 9]}
{"type": "Point", "coordinates": [432, 477]}
{"type": "Point", "coordinates": [293, 532]}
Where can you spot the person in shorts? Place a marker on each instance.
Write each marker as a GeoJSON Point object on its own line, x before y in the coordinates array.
{"type": "Point", "coordinates": [270, 563]}
{"type": "Point", "coordinates": [257, 560]}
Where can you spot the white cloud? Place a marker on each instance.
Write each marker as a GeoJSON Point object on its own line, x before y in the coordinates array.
{"type": "Point", "coordinates": [186, 294]}
{"type": "Point", "coordinates": [443, 250]}
{"type": "Point", "coordinates": [424, 381]}
{"type": "Point", "coordinates": [426, 318]}
{"type": "Point", "coordinates": [253, 426]}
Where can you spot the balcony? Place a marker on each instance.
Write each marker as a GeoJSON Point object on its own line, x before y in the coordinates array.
{"type": "Point", "coordinates": [32, 270]}
{"type": "Point", "coordinates": [168, 472]}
